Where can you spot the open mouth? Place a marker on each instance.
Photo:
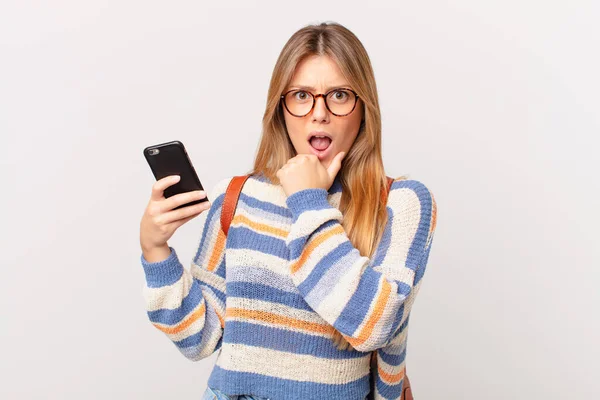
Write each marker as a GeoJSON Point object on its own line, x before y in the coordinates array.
{"type": "Point", "coordinates": [320, 143]}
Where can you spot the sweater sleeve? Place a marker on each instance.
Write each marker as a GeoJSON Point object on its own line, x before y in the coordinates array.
{"type": "Point", "coordinates": [188, 305]}
{"type": "Point", "coordinates": [366, 300]}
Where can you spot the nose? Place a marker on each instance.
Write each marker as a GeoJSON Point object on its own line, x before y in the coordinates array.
{"type": "Point", "coordinates": [320, 112]}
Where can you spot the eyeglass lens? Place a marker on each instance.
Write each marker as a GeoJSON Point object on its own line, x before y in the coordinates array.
{"type": "Point", "coordinates": [339, 102]}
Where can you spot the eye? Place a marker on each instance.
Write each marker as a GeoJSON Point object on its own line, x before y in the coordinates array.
{"type": "Point", "coordinates": [339, 95]}
{"type": "Point", "coordinates": [301, 95]}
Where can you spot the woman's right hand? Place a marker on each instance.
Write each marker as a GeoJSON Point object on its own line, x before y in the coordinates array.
{"type": "Point", "coordinates": [160, 220]}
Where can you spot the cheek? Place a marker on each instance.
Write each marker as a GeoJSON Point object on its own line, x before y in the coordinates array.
{"type": "Point", "coordinates": [351, 128]}
{"type": "Point", "coordinates": [294, 128]}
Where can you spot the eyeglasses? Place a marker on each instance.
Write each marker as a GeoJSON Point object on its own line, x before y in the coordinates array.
{"type": "Point", "coordinates": [340, 101]}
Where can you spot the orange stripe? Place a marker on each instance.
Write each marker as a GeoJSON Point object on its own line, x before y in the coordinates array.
{"type": "Point", "coordinates": [196, 315]}
{"type": "Point", "coordinates": [279, 320]}
{"type": "Point", "coordinates": [313, 244]}
{"type": "Point", "coordinates": [375, 315]}
{"type": "Point", "coordinates": [391, 378]}
{"type": "Point", "coordinates": [433, 214]}
{"type": "Point", "coordinates": [264, 228]}
{"type": "Point", "coordinates": [215, 255]}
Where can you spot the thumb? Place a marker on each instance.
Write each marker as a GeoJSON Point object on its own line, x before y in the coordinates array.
{"type": "Point", "coordinates": [335, 165]}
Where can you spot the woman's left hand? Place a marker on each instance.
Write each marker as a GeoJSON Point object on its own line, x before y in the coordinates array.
{"type": "Point", "coordinates": [305, 171]}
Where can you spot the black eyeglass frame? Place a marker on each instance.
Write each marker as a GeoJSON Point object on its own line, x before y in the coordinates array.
{"type": "Point", "coordinates": [316, 96]}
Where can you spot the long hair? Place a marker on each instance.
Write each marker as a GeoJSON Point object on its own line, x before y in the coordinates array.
{"type": "Point", "coordinates": [362, 176]}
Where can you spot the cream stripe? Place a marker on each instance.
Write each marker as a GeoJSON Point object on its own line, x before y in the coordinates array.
{"type": "Point", "coordinates": [208, 277]}
{"type": "Point", "coordinates": [279, 309]}
{"type": "Point", "coordinates": [390, 369]}
{"type": "Point", "coordinates": [319, 253]}
{"type": "Point", "coordinates": [260, 216]}
{"type": "Point", "coordinates": [369, 313]}
{"type": "Point", "coordinates": [298, 367]}
{"type": "Point", "coordinates": [212, 235]}
{"type": "Point", "coordinates": [257, 258]}
{"type": "Point", "coordinates": [310, 220]}
{"type": "Point", "coordinates": [274, 193]}
{"type": "Point", "coordinates": [338, 298]}
{"type": "Point", "coordinates": [169, 297]}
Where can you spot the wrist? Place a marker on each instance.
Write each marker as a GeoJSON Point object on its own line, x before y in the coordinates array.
{"type": "Point", "coordinates": [156, 253]}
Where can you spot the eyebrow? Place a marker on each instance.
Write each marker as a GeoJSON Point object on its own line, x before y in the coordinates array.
{"type": "Point", "coordinates": [312, 88]}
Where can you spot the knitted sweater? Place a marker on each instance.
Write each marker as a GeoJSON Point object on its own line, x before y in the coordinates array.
{"type": "Point", "coordinates": [269, 295]}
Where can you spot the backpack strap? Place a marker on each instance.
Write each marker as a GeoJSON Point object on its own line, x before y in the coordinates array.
{"type": "Point", "coordinates": [232, 194]}
{"type": "Point", "coordinates": [390, 181]}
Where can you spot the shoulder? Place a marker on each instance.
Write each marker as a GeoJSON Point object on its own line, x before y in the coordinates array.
{"type": "Point", "coordinates": [220, 188]}
{"type": "Point", "coordinates": [412, 199]}
{"type": "Point", "coordinates": [417, 188]}
{"type": "Point", "coordinates": [217, 193]}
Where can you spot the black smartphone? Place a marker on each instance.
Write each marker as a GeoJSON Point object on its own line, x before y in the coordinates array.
{"type": "Point", "coordinates": [171, 158]}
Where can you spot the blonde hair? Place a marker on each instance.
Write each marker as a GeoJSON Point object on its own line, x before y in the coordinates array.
{"type": "Point", "coordinates": [363, 179]}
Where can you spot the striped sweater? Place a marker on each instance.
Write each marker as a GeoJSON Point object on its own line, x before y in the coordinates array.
{"type": "Point", "coordinates": [270, 294]}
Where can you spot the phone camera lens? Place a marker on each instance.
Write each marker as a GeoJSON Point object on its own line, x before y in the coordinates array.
{"type": "Point", "coordinates": [153, 152]}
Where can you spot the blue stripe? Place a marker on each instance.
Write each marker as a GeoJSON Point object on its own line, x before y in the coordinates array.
{"type": "Point", "coordinates": [241, 237]}
{"type": "Point", "coordinates": [276, 388]}
{"type": "Point", "coordinates": [389, 391]}
{"type": "Point", "coordinates": [418, 244]}
{"type": "Point", "coordinates": [265, 217]}
{"type": "Point", "coordinates": [324, 265]}
{"type": "Point", "coordinates": [397, 319]}
{"type": "Point", "coordinates": [255, 274]}
{"type": "Point", "coordinates": [307, 200]}
{"type": "Point", "coordinates": [162, 273]}
{"type": "Point", "coordinates": [219, 294]}
{"type": "Point", "coordinates": [336, 186]}
{"type": "Point", "coordinates": [248, 290]}
{"type": "Point", "coordinates": [385, 242]}
{"type": "Point", "coordinates": [285, 340]}
{"type": "Point", "coordinates": [358, 306]}
{"type": "Point", "coordinates": [190, 341]}
{"type": "Point", "coordinates": [397, 331]}
{"type": "Point", "coordinates": [193, 345]}
{"type": "Point", "coordinates": [324, 288]}
{"type": "Point", "coordinates": [423, 264]}
{"type": "Point", "coordinates": [173, 316]}
{"type": "Point", "coordinates": [213, 217]}
{"type": "Point", "coordinates": [392, 359]}
{"type": "Point", "coordinates": [265, 206]}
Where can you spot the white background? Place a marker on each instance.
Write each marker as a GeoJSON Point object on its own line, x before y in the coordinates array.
{"type": "Point", "coordinates": [494, 105]}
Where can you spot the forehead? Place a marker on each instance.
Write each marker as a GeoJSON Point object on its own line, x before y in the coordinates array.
{"type": "Point", "coordinates": [318, 72]}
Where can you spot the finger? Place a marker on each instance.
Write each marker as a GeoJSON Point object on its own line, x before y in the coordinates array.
{"type": "Point", "coordinates": [178, 223]}
{"type": "Point", "coordinates": [183, 213]}
{"type": "Point", "coordinates": [335, 165]}
{"type": "Point", "coordinates": [182, 198]}
{"type": "Point", "coordinates": [160, 185]}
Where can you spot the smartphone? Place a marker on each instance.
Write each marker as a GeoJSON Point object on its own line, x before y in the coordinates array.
{"type": "Point", "coordinates": [171, 158]}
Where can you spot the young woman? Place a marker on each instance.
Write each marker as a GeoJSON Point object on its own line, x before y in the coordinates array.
{"type": "Point", "coordinates": [320, 266]}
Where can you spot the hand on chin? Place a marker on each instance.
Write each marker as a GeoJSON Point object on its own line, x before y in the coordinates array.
{"type": "Point", "coordinates": [305, 171]}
